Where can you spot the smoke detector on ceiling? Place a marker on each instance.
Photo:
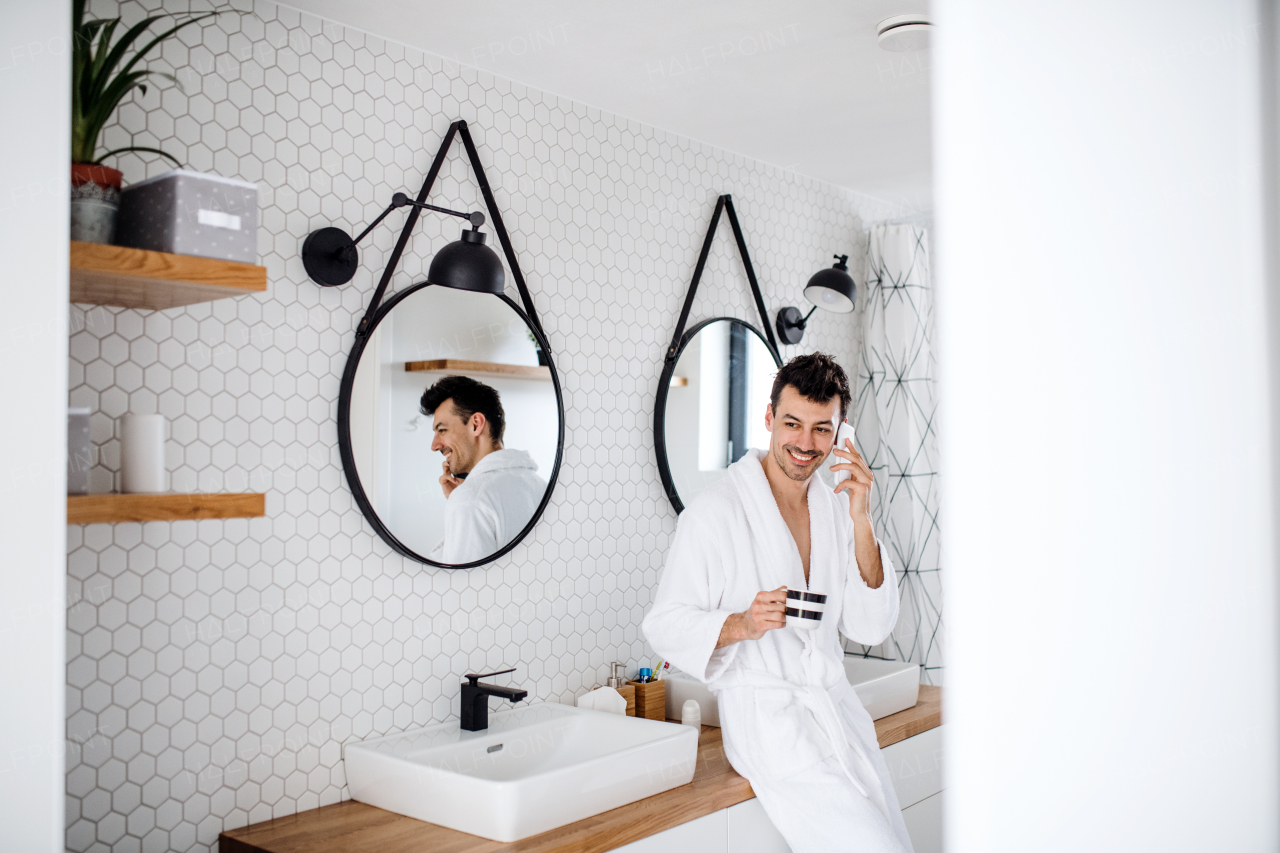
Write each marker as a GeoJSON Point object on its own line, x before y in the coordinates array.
{"type": "Point", "coordinates": [903, 33]}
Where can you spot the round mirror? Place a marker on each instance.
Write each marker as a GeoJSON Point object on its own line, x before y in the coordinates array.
{"type": "Point", "coordinates": [451, 425]}
{"type": "Point", "coordinates": [711, 405]}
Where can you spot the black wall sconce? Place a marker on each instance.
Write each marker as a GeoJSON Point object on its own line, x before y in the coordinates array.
{"type": "Point", "coordinates": [330, 256]}
{"type": "Point", "coordinates": [832, 290]}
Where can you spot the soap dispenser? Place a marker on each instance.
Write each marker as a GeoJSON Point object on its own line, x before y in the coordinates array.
{"type": "Point", "coordinates": [618, 681]}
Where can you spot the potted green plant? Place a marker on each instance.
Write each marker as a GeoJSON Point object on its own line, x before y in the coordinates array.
{"type": "Point", "coordinates": [101, 77]}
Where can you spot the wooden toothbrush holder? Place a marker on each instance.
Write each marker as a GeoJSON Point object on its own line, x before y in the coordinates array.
{"type": "Point", "coordinates": [651, 700]}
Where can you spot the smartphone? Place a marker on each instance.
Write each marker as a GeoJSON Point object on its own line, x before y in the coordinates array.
{"type": "Point", "coordinates": [845, 431]}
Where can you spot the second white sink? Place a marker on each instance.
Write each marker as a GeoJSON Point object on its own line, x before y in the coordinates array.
{"type": "Point", "coordinates": [884, 687]}
{"type": "Point", "coordinates": [535, 768]}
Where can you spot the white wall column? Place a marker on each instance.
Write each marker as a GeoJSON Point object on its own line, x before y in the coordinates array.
{"type": "Point", "coordinates": [1102, 295]}
{"type": "Point", "coordinates": [35, 62]}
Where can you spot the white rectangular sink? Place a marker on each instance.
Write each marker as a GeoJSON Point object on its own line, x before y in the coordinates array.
{"type": "Point", "coordinates": [535, 768]}
{"type": "Point", "coordinates": [884, 686]}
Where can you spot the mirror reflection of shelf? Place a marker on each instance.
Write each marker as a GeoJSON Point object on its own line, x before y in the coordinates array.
{"type": "Point", "coordinates": [454, 365]}
{"type": "Point", "coordinates": [679, 381]}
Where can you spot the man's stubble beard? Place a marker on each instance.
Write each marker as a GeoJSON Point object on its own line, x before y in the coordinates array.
{"type": "Point", "coordinates": [783, 461]}
{"type": "Point", "coordinates": [460, 465]}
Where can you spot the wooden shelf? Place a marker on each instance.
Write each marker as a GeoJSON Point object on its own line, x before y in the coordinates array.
{"type": "Point", "coordinates": [111, 508]}
{"type": "Point", "coordinates": [679, 381]}
{"type": "Point", "coordinates": [137, 278]}
{"type": "Point", "coordinates": [446, 365]}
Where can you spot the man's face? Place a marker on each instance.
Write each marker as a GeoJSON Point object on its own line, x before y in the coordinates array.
{"type": "Point", "coordinates": [457, 439]}
{"type": "Point", "coordinates": [802, 432]}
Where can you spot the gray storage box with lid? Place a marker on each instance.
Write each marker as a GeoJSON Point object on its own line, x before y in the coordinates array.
{"type": "Point", "coordinates": [188, 213]}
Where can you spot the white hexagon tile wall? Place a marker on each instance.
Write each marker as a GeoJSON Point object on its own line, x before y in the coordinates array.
{"type": "Point", "coordinates": [215, 668]}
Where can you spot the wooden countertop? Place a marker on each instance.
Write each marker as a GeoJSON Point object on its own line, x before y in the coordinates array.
{"type": "Point", "coordinates": [348, 827]}
{"type": "Point", "coordinates": [924, 715]}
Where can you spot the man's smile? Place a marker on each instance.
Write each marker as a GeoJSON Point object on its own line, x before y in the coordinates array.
{"type": "Point", "coordinates": [801, 457]}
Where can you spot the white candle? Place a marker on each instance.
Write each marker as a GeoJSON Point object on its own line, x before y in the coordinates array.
{"type": "Point", "coordinates": [142, 454]}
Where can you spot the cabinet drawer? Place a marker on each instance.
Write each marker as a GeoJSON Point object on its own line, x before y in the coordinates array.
{"type": "Point", "coordinates": [915, 766]}
{"type": "Point", "coordinates": [924, 824]}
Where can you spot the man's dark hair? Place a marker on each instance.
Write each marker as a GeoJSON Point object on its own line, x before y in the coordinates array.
{"type": "Point", "coordinates": [817, 377]}
{"type": "Point", "coordinates": [469, 397]}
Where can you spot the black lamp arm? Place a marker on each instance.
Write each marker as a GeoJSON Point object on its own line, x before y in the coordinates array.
{"type": "Point", "coordinates": [400, 200]}
{"type": "Point", "coordinates": [805, 318]}
{"type": "Point", "coordinates": [381, 216]}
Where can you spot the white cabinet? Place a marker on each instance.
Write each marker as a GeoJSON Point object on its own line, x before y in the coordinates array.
{"type": "Point", "coordinates": [751, 831]}
{"type": "Point", "coordinates": [707, 834]}
{"type": "Point", "coordinates": [924, 824]}
{"type": "Point", "coordinates": [915, 766]}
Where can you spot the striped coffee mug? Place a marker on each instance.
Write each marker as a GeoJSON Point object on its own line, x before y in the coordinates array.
{"type": "Point", "coordinates": [804, 609]}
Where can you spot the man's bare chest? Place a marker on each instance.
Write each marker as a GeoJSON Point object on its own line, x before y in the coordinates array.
{"type": "Point", "coordinates": [798, 523]}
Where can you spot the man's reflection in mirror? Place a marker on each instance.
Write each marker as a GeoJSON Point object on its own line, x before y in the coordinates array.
{"type": "Point", "coordinates": [491, 491]}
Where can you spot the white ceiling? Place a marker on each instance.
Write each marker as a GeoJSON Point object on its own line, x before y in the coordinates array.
{"type": "Point", "coordinates": [800, 84]}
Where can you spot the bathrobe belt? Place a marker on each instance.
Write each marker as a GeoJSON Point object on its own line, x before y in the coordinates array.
{"type": "Point", "coordinates": [821, 703]}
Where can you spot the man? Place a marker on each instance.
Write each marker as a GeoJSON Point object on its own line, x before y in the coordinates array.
{"type": "Point", "coordinates": [491, 491]}
{"type": "Point", "coordinates": [792, 724]}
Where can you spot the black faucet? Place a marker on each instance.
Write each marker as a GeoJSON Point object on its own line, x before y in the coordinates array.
{"type": "Point", "coordinates": [475, 699]}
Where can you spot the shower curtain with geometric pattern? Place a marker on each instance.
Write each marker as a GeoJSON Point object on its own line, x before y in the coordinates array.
{"type": "Point", "coordinates": [896, 427]}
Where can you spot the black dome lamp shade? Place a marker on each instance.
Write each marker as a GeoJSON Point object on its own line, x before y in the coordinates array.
{"type": "Point", "coordinates": [330, 256]}
{"type": "Point", "coordinates": [468, 264]}
{"type": "Point", "coordinates": [830, 289]}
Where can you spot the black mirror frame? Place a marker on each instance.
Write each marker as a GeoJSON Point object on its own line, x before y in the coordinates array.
{"type": "Point", "coordinates": [660, 407]}
{"type": "Point", "coordinates": [377, 310]}
{"type": "Point", "coordinates": [348, 457]}
{"type": "Point", "coordinates": [681, 338]}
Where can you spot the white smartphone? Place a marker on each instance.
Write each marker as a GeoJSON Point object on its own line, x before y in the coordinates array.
{"type": "Point", "coordinates": [845, 431]}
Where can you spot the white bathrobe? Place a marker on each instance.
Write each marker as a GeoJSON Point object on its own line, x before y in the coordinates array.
{"type": "Point", "coordinates": [792, 724]}
{"type": "Point", "coordinates": [490, 507]}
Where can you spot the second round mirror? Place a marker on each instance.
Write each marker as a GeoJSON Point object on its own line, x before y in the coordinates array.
{"type": "Point", "coordinates": [711, 405]}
